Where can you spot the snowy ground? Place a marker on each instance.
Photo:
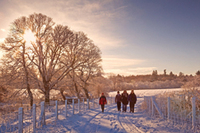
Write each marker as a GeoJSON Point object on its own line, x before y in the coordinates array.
{"type": "Point", "coordinates": [148, 92]}
{"type": "Point", "coordinates": [111, 121]}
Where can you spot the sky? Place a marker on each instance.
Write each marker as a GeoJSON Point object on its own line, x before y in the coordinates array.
{"type": "Point", "coordinates": [134, 36]}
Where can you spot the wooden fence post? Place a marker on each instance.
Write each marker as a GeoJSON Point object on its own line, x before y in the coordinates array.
{"type": "Point", "coordinates": [56, 110]}
{"type": "Point", "coordinates": [152, 106]}
{"type": "Point", "coordinates": [193, 112]}
{"type": "Point", "coordinates": [65, 108]}
{"type": "Point", "coordinates": [168, 108]}
{"type": "Point", "coordinates": [88, 105]}
{"type": "Point", "coordinates": [43, 109]}
{"type": "Point", "coordinates": [78, 105]}
{"type": "Point", "coordinates": [73, 106]}
{"type": "Point", "coordinates": [83, 105]}
{"type": "Point", "coordinates": [149, 100]}
{"type": "Point", "coordinates": [20, 117]}
{"type": "Point", "coordinates": [42, 115]}
{"type": "Point", "coordinates": [34, 118]}
{"type": "Point", "coordinates": [93, 104]}
{"type": "Point", "coordinates": [145, 101]}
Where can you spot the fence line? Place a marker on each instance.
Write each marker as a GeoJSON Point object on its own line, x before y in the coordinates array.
{"type": "Point", "coordinates": [33, 119]}
{"type": "Point", "coordinates": [176, 111]}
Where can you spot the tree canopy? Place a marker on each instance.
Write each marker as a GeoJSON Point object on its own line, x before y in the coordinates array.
{"type": "Point", "coordinates": [55, 52]}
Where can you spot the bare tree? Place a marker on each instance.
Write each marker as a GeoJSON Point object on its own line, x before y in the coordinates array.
{"type": "Point", "coordinates": [48, 52]}
{"type": "Point", "coordinates": [113, 78]}
{"type": "Point", "coordinates": [198, 72]}
{"type": "Point", "coordinates": [15, 49]}
{"type": "Point", "coordinates": [100, 84]}
{"type": "Point", "coordinates": [165, 73]}
{"type": "Point", "coordinates": [91, 58]}
{"type": "Point", "coordinates": [117, 80]}
{"type": "Point", "coordinates": [55, 52]}
{"type": "Point", "coordinates": [89, 55]}
{"type": "Point", "coordinates": [88, 71]}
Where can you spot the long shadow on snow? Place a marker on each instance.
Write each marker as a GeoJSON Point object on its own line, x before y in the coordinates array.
{"type": "Point", "coordinates": [79, 126]}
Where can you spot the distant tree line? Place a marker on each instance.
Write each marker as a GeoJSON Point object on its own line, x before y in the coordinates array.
{"type": "Point", "coordinates": [153, 80]}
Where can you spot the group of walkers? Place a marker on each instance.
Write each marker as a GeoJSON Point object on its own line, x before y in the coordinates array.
{"type": "Point", "coordinates": [124, 98]}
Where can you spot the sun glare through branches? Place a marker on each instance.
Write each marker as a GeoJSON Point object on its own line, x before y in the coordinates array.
{"type": "Point", "coordinates": [29, 37]}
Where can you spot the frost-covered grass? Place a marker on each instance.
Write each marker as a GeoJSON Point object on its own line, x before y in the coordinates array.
{"type": "Point", "coordinates": [92, 120]}
{"type": "Point", "coordinates": [180, 104]}
{"type": "Point", "coordinates": [73, 121]}
{"type": "Point", "coordinates": [180, 107]}
{"type": "Point", "coordinates": [181, 101]}
{"type": "Point", "coordinates": [9, 122]}
{"type": "Point", "coordinates": [19, 98]}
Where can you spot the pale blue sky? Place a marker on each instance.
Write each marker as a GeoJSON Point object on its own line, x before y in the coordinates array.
{"type": "Point", "coordinates": [135, 36]}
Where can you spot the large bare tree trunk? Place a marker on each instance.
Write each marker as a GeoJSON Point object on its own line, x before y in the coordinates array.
{"type": "Point", "coordinates": [47, 91]}
{"type": "Point", "coordinates": [86, 92]}
{"type": "Point", "coordinates": [30, 95]}
{"type": "Point", "coordinates": [76, 89]}
{"type": "Point", "coordinates": [62, 94]}
{"type": "Point", "coordinates": [27, 78]}
{"type": "Point", "coordinates": [47, 94]}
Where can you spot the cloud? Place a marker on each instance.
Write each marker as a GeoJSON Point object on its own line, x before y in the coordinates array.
{"type": "Point", "coordinates": [125, 66]}
{"type": "Point", "coordinates": [3, 30]}
{"type": "Point", "coordinates": [131, 71]}
{"type": "Point", "coordinates": [95, 18]}
{"type": "Point", "coordinates": [143, 70]}
{"type": "Point", "coordinates": [106, 42]}
{"type": "Point", "coordinates": [120, 62]}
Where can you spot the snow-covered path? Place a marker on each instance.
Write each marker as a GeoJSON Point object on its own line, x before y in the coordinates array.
{"type": "Point", "coordinates": [111, 121]}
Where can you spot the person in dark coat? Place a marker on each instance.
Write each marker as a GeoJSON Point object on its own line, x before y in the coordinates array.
{"type": "Point", "coordinates": [102, 101]}
{"type": "Point", "coordinates": [124, 99]}
{"type": "Point", "coordinates": [132, 99]}
{"type": "Point", "coordinates": [118, 101]}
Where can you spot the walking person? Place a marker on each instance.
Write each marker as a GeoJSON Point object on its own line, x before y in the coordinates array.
{"type": "Point", "coordinates": [133, 99]}
{"type": "Point", "coordinates": [118, 101]}
{"type": "Point", "coordinates": [124, 99]}
{"type": "Point", "coordinates": [102, 101]}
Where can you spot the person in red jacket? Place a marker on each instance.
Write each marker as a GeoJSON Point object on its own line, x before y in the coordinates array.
{"type": "Point", "coordinates": [102, 101]}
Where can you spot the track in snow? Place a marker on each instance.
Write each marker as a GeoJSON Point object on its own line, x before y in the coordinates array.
{"type": "Point", "coordinates": [127, 123]}
{"type": "Point", "coordinates": [110, 121]}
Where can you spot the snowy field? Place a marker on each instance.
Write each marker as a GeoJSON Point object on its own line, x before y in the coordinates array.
{"type": "Point", "coordinates": [112, 121]}
{"type": "Point", "coordinates": [149, 92]}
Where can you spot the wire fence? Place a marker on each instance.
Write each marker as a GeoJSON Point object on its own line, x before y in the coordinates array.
{"type": "Point", "coordinates": [34, 119]}
{"type": "Point", "coordinates": [180, 111]}
{"type": "Point", "coordinates": [9, 122]}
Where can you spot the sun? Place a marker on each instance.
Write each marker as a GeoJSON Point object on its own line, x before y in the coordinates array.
{"type": "Point", "coordinates": [29, 37]}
